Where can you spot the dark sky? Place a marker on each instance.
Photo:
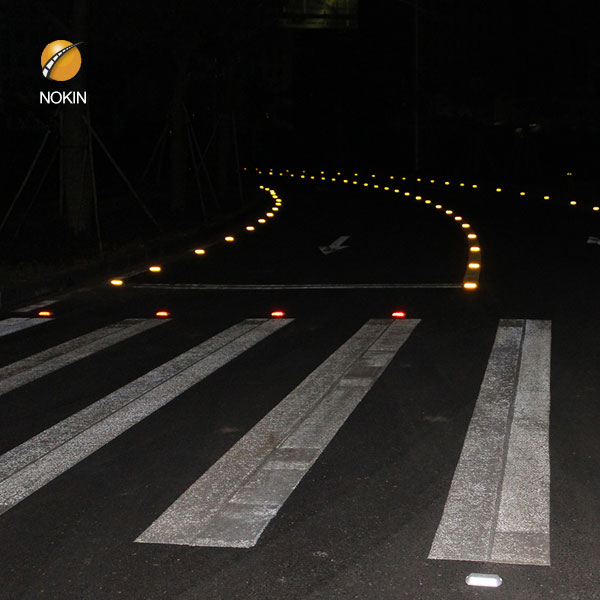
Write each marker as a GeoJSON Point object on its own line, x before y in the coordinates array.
{"type": "Point", "coordinates": [349, 93]}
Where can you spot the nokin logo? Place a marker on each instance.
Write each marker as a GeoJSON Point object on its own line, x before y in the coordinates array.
{"type": "Point", "coordinates": [61, 60]}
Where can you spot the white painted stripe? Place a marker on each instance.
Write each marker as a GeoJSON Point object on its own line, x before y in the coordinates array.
{"type": "Point", "coordinates": [29, 369]}
{"type": "Point", "coordinates": [498, 507]}
{"type": "Point", "coordinates": [14, 324]}
{"type": "Point", "coordinates": [32, 307]}
{"type": "Point", "coordinates": [233, 502]}
{"type": "Point", "coordinates": [295, 286]}
{"type": "Point", "coordinates": [33, 464]}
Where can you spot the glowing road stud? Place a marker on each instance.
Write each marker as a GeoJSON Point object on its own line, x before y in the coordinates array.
{"type": "Point", "coordinates": [483, 580]}
{"type": "Point", "coordinates": [386, 188]}
{"type": "Point", "coordinates": [498, 189]}
{"type": "Point", "coordinates": [474, 265]}
{"type": "Point", "coordinates": [465, 226]}
{"type": "Point", "coordinates": [116, 282]}
{"type": "Point", "coordinates": [277, 314]}
{"type": "Point", "coordinates": [546, 197]}
{"type": "Point", "coordinates": [462, 184]}
{"type": "Point", "coordinates": [572, 203]}
{"type": "Point", "coordinates": [457, 218]}
{"type": "Point", "coordinates": [448, 212]}
{"type": "Point", "coordinates": [274, 208]}
{"type": "Point", "coordinates": [446, 183]}
{"type": "Point", "coordinates": [522, 194]}
{"type": "Point", "coordinates": [432, 181]}
{"type": "Point", "coordinates": [250, 228]}
{"type": "Point", "coordinates": [471, 236]}
{"type": "Point", "coordinates": [155, 269]}
{"type": "Point", "coordinates": [162, 314]}
{"type": "Point", "coordinates": [44, 313]}
{"type": "Point", "coordinates": [438, 206]}
{"type": "Point", "coordinates": [427, 201]}
{"type": "Point", "coordinates": [407, 193]}
{"type": "Point", "coordinates": [596, 208]}
{"type": "Point", "coordinates": [418, 198]}
{"type": "Point", "coordinates": [199, 251]}
{"type": "Point", "coordinates": [474, 186]}
{"type": "Point", "coordinates": [475, 249]}
{"type": "Point", "coordinates": [270, 215]}
{"type": "Point", "coordinates": [229, 238]}
{"type": "Point", "coordinates": [470, 285]}
{"type": "Point", "coordinates": [262, 220]}
{"type": "Point", "coordinates": [398, 314]}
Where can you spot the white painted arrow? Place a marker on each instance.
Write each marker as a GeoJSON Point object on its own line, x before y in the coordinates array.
{"type": "Point", "coordinates": [335, 246]}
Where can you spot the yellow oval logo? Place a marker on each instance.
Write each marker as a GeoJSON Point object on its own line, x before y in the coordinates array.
{"type": "Point", "coordinates": [61, 60]}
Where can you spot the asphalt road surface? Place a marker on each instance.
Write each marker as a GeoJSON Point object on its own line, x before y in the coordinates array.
{"type": "Point", "coordinates": [333, 452]}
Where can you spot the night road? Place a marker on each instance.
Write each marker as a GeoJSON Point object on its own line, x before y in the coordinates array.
{"type": "Point", "coordinates": [333, 451]}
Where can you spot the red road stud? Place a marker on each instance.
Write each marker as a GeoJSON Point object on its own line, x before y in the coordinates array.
{"type": "Point", "coordinates": [398, 314]}
{"type": "Point", "coordinates": [278, 314]}
{"type": "Point", "coordinates": [162, 314]}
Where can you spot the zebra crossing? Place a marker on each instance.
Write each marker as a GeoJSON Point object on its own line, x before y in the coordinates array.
{"type": "Point", "coordinates": [498, 503]}
{"type": "Point", "coordinates": [14, 324]}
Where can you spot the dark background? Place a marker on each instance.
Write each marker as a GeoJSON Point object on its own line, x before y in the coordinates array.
{"type": "Point", "coordinates": [506, 92]}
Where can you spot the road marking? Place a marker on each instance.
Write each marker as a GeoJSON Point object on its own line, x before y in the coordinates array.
{"type": "Point", "coordinates": [498, 507]}
{"type": "Point", "coordinates": [36, 462]}
{"type": "Point", "coordinates": [336, 245]}
{"type": "Point", "coordinates": [32, 307]}
{"type": "Point", "coordinates": [295, 286]}
{"type": "Point", "coordinates": [29, 369]}
{"type": "Point", "coordinates": [593, 240]}
{"type": "Point", "coordinates": [14, 324]}
{"type": "Point", "coordinates": [232, 503]}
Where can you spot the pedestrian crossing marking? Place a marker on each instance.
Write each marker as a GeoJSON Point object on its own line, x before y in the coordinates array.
{"type": "Point", "coordinates": [29, 369]}
{"type": "Point", "coordinates": [14, 324]}
{"type": "Point", "coordinates": [36, 462]}
{"type": "Point", "coordinates": [498, 504]}
{"type": "Point", "coordinates": [498, 507]}
{"type": "Point", "coordinates": [234, 501]}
